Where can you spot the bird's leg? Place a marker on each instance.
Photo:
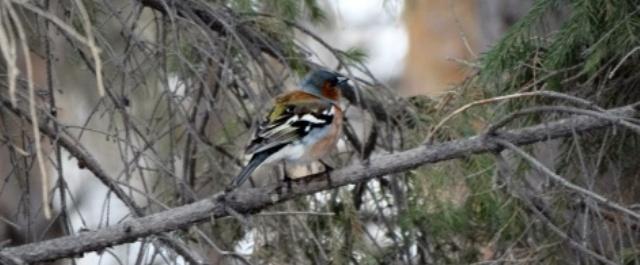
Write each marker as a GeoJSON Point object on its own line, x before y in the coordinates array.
{"type": "Point", "coordinates": [327, 167]}
{"type": "Point", "coordinates": [287, 180]}
{"type": "Point", "coordinates": [327, 170]}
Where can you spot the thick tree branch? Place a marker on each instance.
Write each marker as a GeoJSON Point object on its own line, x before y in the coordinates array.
{"type": "Point", "coordinates": [255, 199]}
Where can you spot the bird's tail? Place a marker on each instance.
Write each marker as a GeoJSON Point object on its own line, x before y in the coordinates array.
{"type": "Point", "coordinates": [255, 161]}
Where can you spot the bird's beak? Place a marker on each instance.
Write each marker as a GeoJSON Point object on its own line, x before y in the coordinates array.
{"type": "Point", "coordinates": [342, 80]}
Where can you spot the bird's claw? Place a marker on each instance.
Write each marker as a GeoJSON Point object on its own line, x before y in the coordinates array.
{"type": "Point", "coordinates": [327, 171]}
{"type": "Point", "coordinates": [327, 167]}
{"type": "Point", "coordinates": [287, 181]}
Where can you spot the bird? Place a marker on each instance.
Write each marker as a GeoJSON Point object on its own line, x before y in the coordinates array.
{"type": "Point", "coordinates": [303, 126]}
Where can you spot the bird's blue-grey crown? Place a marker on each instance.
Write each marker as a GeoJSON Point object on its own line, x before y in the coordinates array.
{"type": "Point", "coordinates": [313, 82]}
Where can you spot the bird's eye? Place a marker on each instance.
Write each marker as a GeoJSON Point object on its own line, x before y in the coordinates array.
{"type": "Point", "coordinates": [333, 81]}
{"type": "Point", "coordinates": [289, 109]}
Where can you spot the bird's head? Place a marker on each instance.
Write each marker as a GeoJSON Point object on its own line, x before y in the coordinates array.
{"type": "Point", "coordinates": [326, 84]}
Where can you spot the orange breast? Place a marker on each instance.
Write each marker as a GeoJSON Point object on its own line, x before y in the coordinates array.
{"type": "Point", "coordinates": [328, 143]}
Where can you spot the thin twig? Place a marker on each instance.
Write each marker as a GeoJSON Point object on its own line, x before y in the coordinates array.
{"type": "Point", "coordinates": [603, 115]}
{"type": "Point", "coordinates": [551, 94]}
{"type": "Point", "coordinates": [542, 168]}
{"type": "Point", "coordinates": [95, 51]}
{"type": "Point", "coordinates": [54, 113]}
{"type": "Point", "coordinates": [615, 69]}
{"type": "Point", "coordinates": [33, 112]}
{"type": "Point", "coordinates": [564, 235]}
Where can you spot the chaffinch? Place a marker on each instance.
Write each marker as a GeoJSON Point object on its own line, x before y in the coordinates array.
{"type": "Point", "coordinates": [303, 126]}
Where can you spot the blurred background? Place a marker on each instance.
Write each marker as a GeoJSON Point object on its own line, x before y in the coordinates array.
{"type": "Point", "coordinates": [182, 85]}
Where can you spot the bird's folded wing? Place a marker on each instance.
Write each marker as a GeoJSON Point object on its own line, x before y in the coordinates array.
{"type": "Point", "coordinates": [290, 121]}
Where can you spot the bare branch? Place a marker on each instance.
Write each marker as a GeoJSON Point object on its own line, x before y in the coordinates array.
{"type": "Point", "coordinates": [85, 158]}
{"type": "Point", "coordinates": [540, 167]}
